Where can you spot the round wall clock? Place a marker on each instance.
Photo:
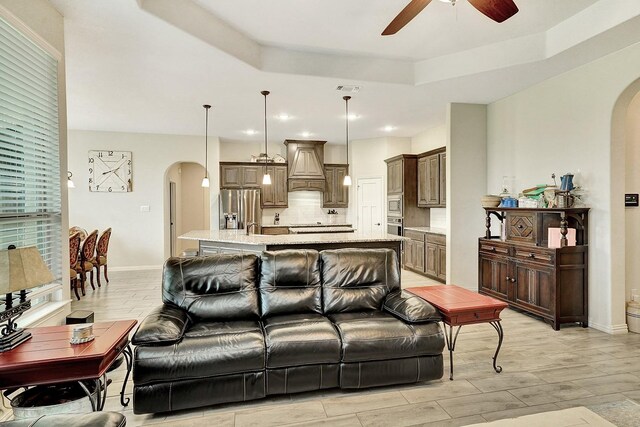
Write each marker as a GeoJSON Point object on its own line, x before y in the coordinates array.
{"type": "Point", "coordinates": [110, 171]}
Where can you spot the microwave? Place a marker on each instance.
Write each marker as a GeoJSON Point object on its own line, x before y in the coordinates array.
{"type": "Point", "coordinates": [394, 206]}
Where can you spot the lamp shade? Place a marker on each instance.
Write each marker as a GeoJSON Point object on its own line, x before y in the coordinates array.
{"type": "Point", "coordinates": [22, 268]}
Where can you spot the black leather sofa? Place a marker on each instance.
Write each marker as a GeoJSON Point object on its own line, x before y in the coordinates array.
{"type": "Point", "coordinates": [242, 327]}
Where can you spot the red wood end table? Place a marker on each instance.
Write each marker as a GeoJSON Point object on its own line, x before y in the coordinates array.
{"type": "Point", "coordinates": [459, 307]}
{"type": "Point", "coordinates": [49, 357]}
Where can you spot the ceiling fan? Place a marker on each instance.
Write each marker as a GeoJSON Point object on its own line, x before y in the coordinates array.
{"type": "Point", "coordinates": [498, 10]}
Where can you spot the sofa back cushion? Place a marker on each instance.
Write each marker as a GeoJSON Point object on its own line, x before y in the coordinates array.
{"type": "Point", "coordinates": [358, 279]}
{"type": "Point", "coordinates": [290, 282]}
{"type": "Point", "coordinates": [215, 287]}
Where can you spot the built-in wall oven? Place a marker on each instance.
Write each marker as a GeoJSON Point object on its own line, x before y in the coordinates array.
{"type": "Point", "coordinates": [394, 226]}
{"type": "Point", "coordinates": [394, 205]}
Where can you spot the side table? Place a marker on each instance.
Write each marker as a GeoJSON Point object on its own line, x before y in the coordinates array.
{"type": "Point", "coordinates": [49, 357]}
{"type": "Point", "coordinates": [459, 307]}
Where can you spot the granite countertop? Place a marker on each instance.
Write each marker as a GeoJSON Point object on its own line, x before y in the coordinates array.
{"type": "Point", "coordinates": [327, 229]}
{"type": "Point", "coordinates": [311, 224]}
{"type": "Point", "coordinates": [239, 236]}
{"type": "Point", "coordinates": [432, 230]}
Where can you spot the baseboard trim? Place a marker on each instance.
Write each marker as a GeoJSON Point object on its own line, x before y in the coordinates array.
{"type": "Point", "coordinates": [610, 329]}
{"type": "Point", "coordinates": [136, 267]}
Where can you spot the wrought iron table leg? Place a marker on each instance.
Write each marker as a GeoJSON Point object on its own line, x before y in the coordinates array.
{"type": "Point", "coordinates": [498, 327]}
{"type": "Point", "coordinates": [451, 345]}
{"type": "Point", "coordinates": [95, 403]}
{"type": "Point", "coordinates": [128, 357]}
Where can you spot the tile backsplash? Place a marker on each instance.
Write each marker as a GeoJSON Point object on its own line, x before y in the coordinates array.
{"type": "Point", "coordinates": [438, 218]}
{"type": "Point", "coordinates": [305, 207]}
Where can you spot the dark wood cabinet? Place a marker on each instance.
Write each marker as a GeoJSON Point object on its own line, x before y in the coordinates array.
{"type": "Point", "coordinates": [336, 194]}
{"type": "Point", "coordinates": [249, 175]}
{"type": "Point", "coordinates": [426, 253]}
{"type": "Point", "coordinates": [432, 179]}
{"type": "Point", "coordinates": [395, 176]}
{"type": "Point", "coordinates": [522, 270]}
{"type": "Point", "coordinates": [276, 194]}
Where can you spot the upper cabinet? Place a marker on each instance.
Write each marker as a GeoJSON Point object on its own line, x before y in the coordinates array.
{"type": "Point", "coordinates": [432, 175]}
{"type": "Point", "coordinates": [395, 175]}
{"type": "Point", "coordinates": [336, 194]}
{"type": "Point", "coordinates": [249, 175]}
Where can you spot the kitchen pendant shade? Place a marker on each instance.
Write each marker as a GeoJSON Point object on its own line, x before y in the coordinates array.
{"type": "Point", "coordinates": [205, 180]}
{"type": "Point", "coordinates": [347, 178]}
{"type": "Point", "coordinates": [266, 178]}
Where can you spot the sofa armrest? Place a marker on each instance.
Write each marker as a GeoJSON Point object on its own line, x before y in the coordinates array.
{"type": "Point", "coordinates": [410, 308]}
{"type": "Point", "coordinates": [164, 325]}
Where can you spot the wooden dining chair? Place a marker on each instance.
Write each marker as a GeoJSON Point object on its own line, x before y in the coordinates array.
{"type": "Point", "coordinates": [87, 257]}
{"type": "Point", "coordinates": [101, 254]}
{"type": "Point", "coordinates": [81, 231]}
{"type": "Point", "coordinates": [74, 254]}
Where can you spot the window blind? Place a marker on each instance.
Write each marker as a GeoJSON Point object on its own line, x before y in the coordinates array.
{"type": "Point", "coordinates": [30, 206]}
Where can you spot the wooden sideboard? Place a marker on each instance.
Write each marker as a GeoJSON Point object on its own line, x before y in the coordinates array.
{"type": "Point", "coordinates": [523, 271]}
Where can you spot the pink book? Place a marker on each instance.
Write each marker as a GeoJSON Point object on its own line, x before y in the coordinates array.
{"type": "Point", "coordinates": [555, 236]}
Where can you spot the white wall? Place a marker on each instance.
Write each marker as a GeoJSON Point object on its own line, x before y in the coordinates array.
{"type": "Point", "coordinates": [429, 139]}
{"type": "Point", "coordinates": [565, 124]}
{"type": "Point", "coordinates": [139, 239]}
{"type": "Point", "coordinates": [39, 21]}
{"type": "Point", "coordinates": [466, 177]}
{"type": "Point", "coordinates": [632, 185]}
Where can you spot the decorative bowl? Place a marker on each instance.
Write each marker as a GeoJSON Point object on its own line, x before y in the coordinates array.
{"type": "Point", "coordinates": [490, 201]}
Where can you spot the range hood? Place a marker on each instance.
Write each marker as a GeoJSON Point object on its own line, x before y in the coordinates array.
{"type": "Point", "coordinates": [306, 165]}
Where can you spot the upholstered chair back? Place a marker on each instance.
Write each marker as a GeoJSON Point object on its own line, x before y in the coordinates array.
{"type": "Point", "coordinates": [358, 279]}
{"type": "Point", "coordinates": [216, 287]}
{"type": "Point", "coordinates": [290, 282]}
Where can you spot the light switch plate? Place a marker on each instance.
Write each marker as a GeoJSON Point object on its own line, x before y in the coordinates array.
{"type": "Point", "coordinates": [631, 200]}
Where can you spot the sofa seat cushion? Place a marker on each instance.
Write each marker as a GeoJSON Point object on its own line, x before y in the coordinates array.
{"type": "Point", "coordinates": [300, 339]}
{"type": "Point", "coordinates": [375, 335]}
{"type": "Point", "coordinates": [207, 349]}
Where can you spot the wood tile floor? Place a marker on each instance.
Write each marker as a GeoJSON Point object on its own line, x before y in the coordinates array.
{"type": "Point", "coordinates": [543, 371]}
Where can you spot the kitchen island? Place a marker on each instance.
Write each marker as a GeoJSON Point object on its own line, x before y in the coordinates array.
{"type": "Point", "coordinates": [237, 241]}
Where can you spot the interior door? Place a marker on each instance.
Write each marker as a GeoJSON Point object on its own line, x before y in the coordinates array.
{"type": "Point", "coordinates": [370, 205]}
{"type": "Point", "coordinates": [172, 219]}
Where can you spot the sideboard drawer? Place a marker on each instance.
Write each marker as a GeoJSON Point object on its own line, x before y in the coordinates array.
{"type": "Point", "coordinates": [521, 227]}
{"type": "Point", "coordinates": [494, 248]}
{"type": "Point", "coordinates": [540, 255]}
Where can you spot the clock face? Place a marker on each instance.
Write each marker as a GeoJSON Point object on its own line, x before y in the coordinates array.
{"type": "Point", "coordinates": [110, 171]}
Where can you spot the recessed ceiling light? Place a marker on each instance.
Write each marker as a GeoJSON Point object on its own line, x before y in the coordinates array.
{"type": "Point", "coordinates": [305, 134]}
{"type": "Point", "coordinates": [250, 132]}
{"type": "Point", "coordinates": [283, 116]}
{"type": "Point", "coordinates": [388, 128]}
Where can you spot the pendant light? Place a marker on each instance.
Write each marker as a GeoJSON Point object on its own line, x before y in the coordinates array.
{"type": "Point", "coordinates": [205, 180]}
{"type": "Point", "coordinates": [266, 179]}
{"type": "Point", "coordinates": [347, 178]}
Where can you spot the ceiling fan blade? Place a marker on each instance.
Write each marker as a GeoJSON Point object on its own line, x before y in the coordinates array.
{"type": "Point", "coordinates": [407, 14]}
{"type": "Point", "coordinates": [498, 10]}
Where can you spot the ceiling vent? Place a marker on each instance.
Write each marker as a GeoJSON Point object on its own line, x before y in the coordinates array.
{"type": "Point", "coordinates": [350, 89]}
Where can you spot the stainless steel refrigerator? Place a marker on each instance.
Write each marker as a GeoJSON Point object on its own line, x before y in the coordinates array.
{"type": "Point", "coordinates": [239, 208]}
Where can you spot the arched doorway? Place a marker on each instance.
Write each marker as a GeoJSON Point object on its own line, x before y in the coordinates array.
{"type": "Point", "coordinates": [625, 224]}
{"type": "Point", "coordinates": [187, 204]}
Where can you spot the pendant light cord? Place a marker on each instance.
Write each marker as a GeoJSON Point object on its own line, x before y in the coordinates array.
{"type": "Point", "coordinates": [346, 109]}
{"type": "Point", "coordinates": [266, 150]}
{"type": "Point", "coordinates": [206, 140]}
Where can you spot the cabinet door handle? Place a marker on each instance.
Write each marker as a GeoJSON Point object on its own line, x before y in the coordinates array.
{"type": "Point", "coordinates": [513, 280]}
{"type": "Point", "coordinates": [508, 278]}
{"type": "Point", "coordinates": [532, 255]}
{"type": "Point", "coordinates": [520, 226]}
{"type": "Point", "coordinates": [493, 249]}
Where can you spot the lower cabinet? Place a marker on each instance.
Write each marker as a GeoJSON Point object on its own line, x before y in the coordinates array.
{"type": "Point", "coordinates": [548, 282]}
{"type": "Point", "coordinates": [426, 253]}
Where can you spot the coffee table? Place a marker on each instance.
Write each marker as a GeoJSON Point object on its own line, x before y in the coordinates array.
{"type": "Point", "coordinates": [459, 307]}
{"type": "Point", "coordinates": [48, 357]}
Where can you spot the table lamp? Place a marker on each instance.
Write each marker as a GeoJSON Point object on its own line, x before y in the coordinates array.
{"type": "Point", "coordinates": [20, 269]}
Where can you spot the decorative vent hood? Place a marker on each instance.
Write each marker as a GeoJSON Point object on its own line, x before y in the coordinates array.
{"type": "Point", "coordinates": [306, 165]}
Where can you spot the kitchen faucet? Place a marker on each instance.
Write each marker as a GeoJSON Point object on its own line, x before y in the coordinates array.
{"type": "Point", "coordinates": [249, 225]}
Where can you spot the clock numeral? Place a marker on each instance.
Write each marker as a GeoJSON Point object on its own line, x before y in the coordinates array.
{"type": "Point", "coordinates": [90, 180]}
{"type": "Point", "coordinates": [129, 162]}
{"type": "Point", "coordinates": [100, 154]}
{"type": "Point", "coordinates": [97, 187]}
{"type": "Point", "coordinates": [90, 170]}
{"type": "Point", "coordinates": [110, 190]}
{"type": "Point", "coordinates": [129, 172]}
{"type": "Point", "coordinates": [110, 153]}
{"type": "Point", "coordinates": [123, 155]}
{"type": "Point", "coordinates": [122, 187]}
{"type": "Point", "coordinates": [91, 160]}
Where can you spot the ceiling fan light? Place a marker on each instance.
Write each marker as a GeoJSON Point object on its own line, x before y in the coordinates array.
{"type": "Point", "coordinates": [266, 179]}
{"type": "Point", "coordinates": [347, 180]}
{"type": "Point", "coordinates": [205, 182]}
